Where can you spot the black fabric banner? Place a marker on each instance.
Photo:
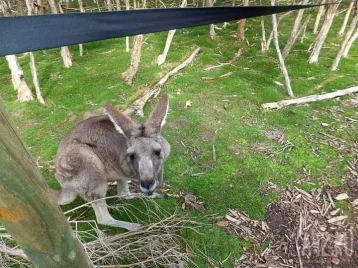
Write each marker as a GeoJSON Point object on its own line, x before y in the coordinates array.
{"type": "Point", "coordinates": [30, 33]}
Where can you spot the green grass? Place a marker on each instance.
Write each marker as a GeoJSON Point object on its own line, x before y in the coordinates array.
{"type": "Point", "coordinates": [236, 178]}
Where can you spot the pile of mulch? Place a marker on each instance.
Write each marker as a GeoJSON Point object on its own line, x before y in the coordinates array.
{"type": "Point", "coordinates": [304, 229]}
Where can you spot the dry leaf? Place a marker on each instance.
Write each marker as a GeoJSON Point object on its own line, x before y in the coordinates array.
{"type": "Point", "coordinates": [355, 202]}
{"type": "Point", "coordinates": [188, 103]}
{"type": "Point", "coordinates": [222, 224]}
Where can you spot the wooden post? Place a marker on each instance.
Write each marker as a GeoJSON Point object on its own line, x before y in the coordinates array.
{"type": "Point", "coordinates": [28, 212]}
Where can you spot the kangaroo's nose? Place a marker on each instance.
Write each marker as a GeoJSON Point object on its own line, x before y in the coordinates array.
{"type": "Point", "coordinates": [147, 184]}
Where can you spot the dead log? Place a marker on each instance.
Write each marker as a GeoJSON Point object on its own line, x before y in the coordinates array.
{"type": "Point", "coordinates": [295, 31]}
{"type": "Point", "coordinates": [346, 39]}
{"type": "Point", "coordinates": [135, 60]}
{"type": "Point", "coordinates": [162, 57]}
{"type": "Point", "coordinates": [308, 99]}
{"type": "Point", "coordinates": [321, 37]}
{"type": "Point", "coordinates": [345, 21]}
{"type": "Point", "coordinates": [240, 35]}
{"type": "Point", "coordinates": [137, 106]}
{"type": "Point", "coordinates": [279, 55]}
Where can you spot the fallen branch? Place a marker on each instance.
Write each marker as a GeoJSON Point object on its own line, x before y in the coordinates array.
{"type": "Point", "coordinates": [311, 98]}
{"type": "Point", "coordinates": [137, 106]}
{"type": "Point", "coordinates": [235, 58]}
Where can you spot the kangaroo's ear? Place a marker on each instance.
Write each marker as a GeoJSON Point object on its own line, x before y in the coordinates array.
{"type": "Point", "coordinates": [157, 117]}
{"type": "Point", "coordinates": [122, 123]}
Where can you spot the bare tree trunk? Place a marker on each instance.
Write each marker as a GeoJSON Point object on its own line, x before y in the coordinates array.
{"type": "Point", "coordinates": [135, 59]}
{"type": "Point", "coordinates": [278, 22]}
{"type": "Point", "coordinates": [263, 38]}
{"type": "Point", "coordinates": [349, 44]}
{"type": "Point", "coordinates": [127, 37]}
{"type": "Point", "coordinates": [321, 37]}
{"type": "Point", "coordinates": [304, 27]}
{"type": "Point", "coordinates": [109, 5]}
{"type": "Point", "coordinates": [346, 18]}
{"type": "Point", "coordinates": [212, 33]}
{"type": "Point", "coordinates": [35, 78]}
{"type": "Point", "coordinates": [347, 37]}
{"type": "Point", "coordinates": [294, 32]}
{"type": "Point", "coordinates": [118, 5]}
{"type": "Point", "coordinates": [162, 57]}
{"type": "Point", "coordinates": [240, 35]}
{"type": "Point", "coordinates": [40, 8]}
{"type": "Point", "coordinates": [318, 18]}
{"type": "Point", "coordinates": [30, 12]}
{"type": "Point", "coordinates": [18, 79]}
{"type": "Point", "coordinates": [65, 52]}
{"type": "Point", "coordinates": [280, 58]}
{"type": "Point", "coordinates": [80, 5]}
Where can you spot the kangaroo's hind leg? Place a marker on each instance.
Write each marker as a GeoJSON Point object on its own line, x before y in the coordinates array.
{"type": "Point", "coordinates": [100, 207]}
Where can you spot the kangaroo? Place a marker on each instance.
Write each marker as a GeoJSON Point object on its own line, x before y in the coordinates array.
{"type": "Point", "coordinates": [112, 147]}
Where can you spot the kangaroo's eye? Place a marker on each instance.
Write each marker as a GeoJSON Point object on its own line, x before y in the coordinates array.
{"type": "Point", "coordinates": [131, 157]}
{"type": "Point", "coordinates": [157, 152]}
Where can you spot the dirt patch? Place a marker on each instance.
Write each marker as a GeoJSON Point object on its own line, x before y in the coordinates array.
{"type": "Point", "coordinates": [261, 147]}
{"type": "Point", "coordinates": [352, 184]}
{"type": "Point", "coordinates": [305, 230]}
{"type": "Point", "coordinates": [274, 135]}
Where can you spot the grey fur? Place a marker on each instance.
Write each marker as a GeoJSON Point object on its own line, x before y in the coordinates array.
{"type": "Point", "coordinates": [107, 148]}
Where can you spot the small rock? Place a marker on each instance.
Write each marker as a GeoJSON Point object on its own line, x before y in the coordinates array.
{"type": "Point", "coordinates": [342, 197]}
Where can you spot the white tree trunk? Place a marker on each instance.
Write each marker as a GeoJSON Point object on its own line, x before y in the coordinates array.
{"type": "Point", "coordinates": [321, 37]}
{"type": "Point", "coordinates": [65, 52]}
{"type": "Point", "coordinates": [318, 18]}
{"type": "Point", "coordinates": [347, 37]}
{"type": "Point", "coordinates": [18, 79]}
{"type": "Point", "coordinates": [294, 32]}
{"type": "Point", "coordinates": [346, 18]}
{"type": "Point", "coordinates": [35, 78]}
{"type": "Point", "coordinates": [212, 33]}
{"type": "Point", "coordinates": [127, 37]}
{"type": "Point", "coordinates": [82, 9]}
{"type": "Point", "coordinates": [350, 43]}
{"type": "Point", "coordinates": [162, 57]}
{"type": "Point", "coordinates": [280, 58]}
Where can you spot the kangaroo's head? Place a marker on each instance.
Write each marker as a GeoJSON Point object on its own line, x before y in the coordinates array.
{"type": "Point", "coordinates": [146, 148]}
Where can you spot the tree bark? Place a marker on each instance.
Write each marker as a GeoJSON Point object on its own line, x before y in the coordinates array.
{"type": "Point", "coordinates": [28, 212]}
{"type": "Point", "coordinates": [135, 60]}
{"type": "Point", "coordinates": [279, 55]}
{"type": "Point", "coordinates": [18, 80]}
{"type": "Point", "coordinates": [308, 99]}
{"type": "Point", "coordinates": [65, 52]}
{"type": "Point", "coordinates": [294, 32]}
{"type": "Point", "coordinates": [318, 18]}
{"type": "Point", "coordinates": [350, 43]}
{"type": "Point", "coordinates": [240, 35]}
{"type": "Point", "coordinates": [346, 18]}
{"type": "Point", "coordinates": [40, 8]}
{"type": "Point", "coordinates": [321, 37]}
{"type": "Point", "coordinates": [347, 37]}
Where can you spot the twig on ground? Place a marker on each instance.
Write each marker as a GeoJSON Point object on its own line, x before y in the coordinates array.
{"type": "Point", "coordinates": [138, 105]}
